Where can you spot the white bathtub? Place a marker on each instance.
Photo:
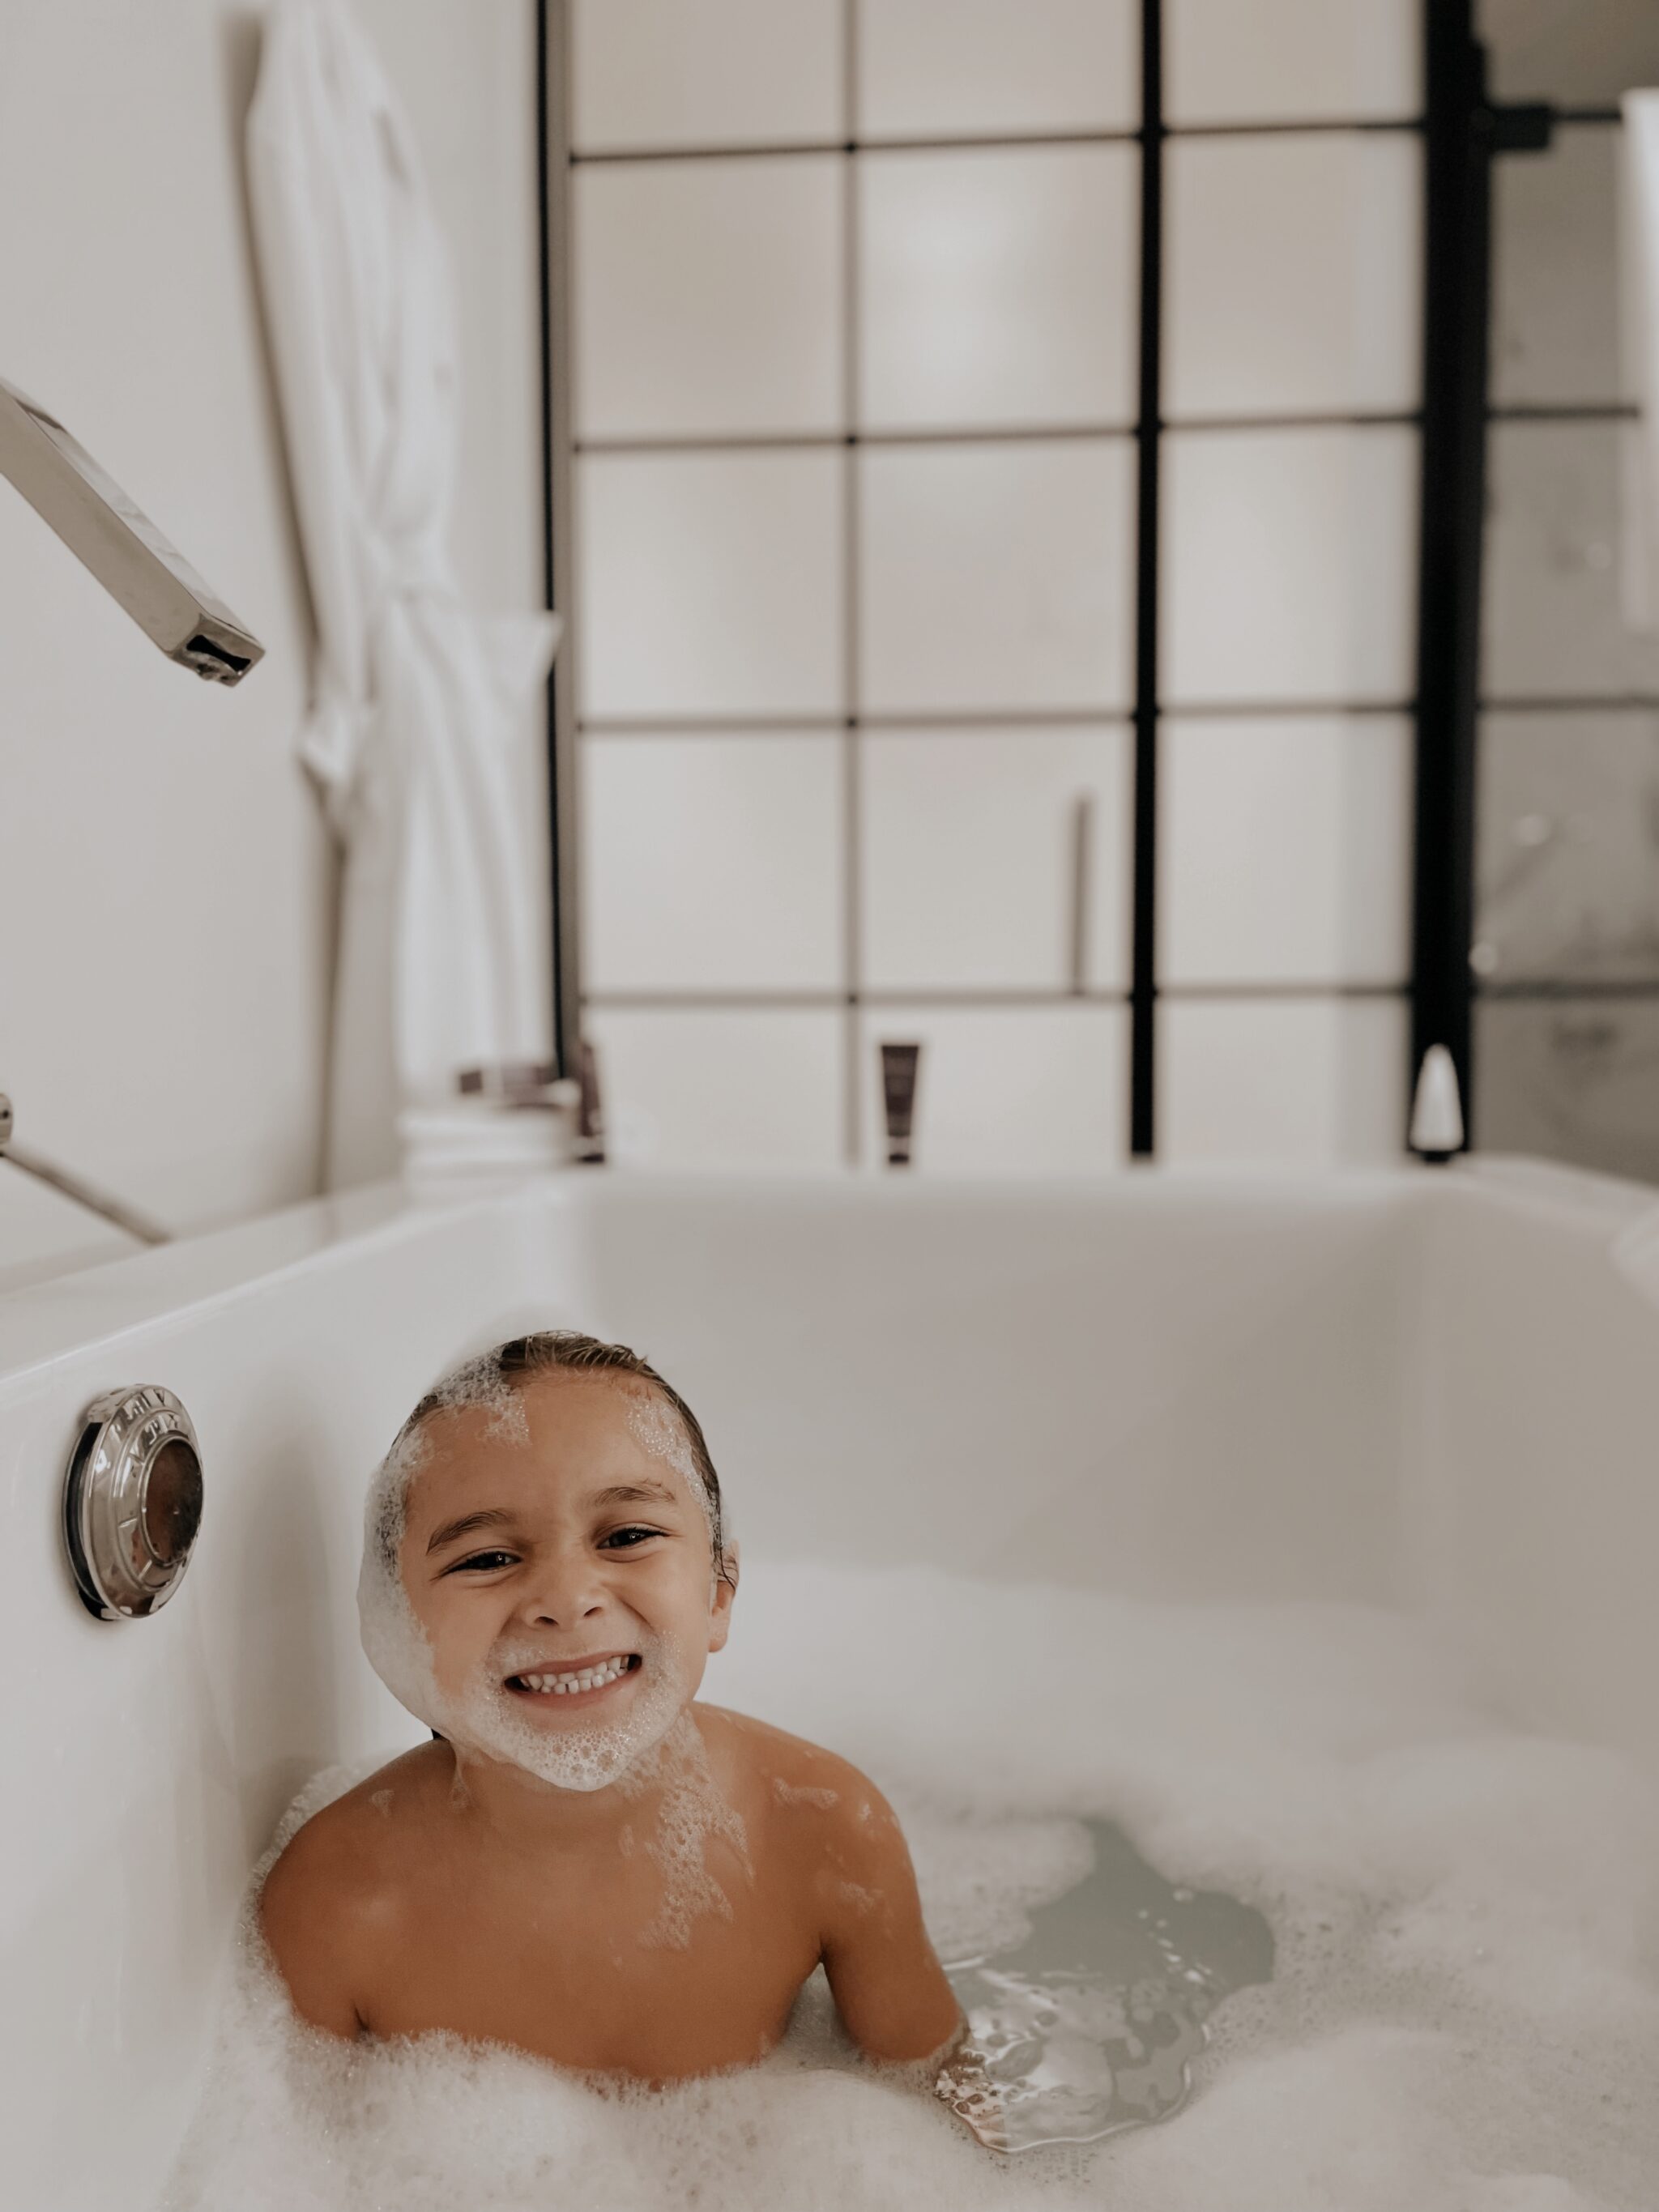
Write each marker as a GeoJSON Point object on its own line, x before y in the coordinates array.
{"type": "Point", "coordinates": [1435, 1390]}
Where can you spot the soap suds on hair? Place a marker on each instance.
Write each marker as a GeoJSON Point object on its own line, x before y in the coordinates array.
{"type": "Point", "coordinates": [656, 1428]}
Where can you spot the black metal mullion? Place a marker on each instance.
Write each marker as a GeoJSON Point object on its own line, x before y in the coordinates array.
{"type": "Point", "coordinates": [553, 177]}
{"type": "Point", "coordinates": [852, 832]}
{"type": "Point", "coordinates": [1465, 132]}
{"type": "Point", "coordinates": [1143, 990]}
{"type": "Point", "coordinates": [1457, 272]}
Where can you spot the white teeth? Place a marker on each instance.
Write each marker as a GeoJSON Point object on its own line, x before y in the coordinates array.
{"type": "Point", "coordinates": [584, 1678]}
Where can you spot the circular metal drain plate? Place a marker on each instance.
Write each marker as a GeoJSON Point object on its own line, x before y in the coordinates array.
{"type": "Point", "coordinates": [132, 1502]}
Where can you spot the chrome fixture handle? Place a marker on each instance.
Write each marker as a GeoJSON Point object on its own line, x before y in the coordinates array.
{"type": "Point", "coordinates": [123, 1216]}
{"type": "Point", "coordinates": [133, 1501]}
{"type": "Point", "coordinates": [123, 548]}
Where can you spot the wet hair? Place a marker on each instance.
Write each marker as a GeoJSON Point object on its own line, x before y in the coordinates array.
{"type": "Point", "coordinates": [492, 1380]}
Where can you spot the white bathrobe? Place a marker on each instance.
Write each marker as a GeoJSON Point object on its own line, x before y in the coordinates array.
{"type": "Point", "coordinates": [422, 711]}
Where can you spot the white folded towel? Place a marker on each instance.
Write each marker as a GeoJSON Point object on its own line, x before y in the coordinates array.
{"type": "Point", "coordinates": [1638, 316]}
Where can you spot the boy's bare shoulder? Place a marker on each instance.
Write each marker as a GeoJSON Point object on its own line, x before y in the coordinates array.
{"type": "Point", "coordinates": [818, 1787]}
{"type": "Point", "coordinates": [343, 1867]}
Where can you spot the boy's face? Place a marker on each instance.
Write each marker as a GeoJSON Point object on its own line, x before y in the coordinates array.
{"type": "Point", "coordinates": [540, 1551]}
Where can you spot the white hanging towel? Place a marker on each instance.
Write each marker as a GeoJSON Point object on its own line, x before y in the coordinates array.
{"type": "Point", "coordinates": [1638, 315]}
{"type": "Point", "coordinates": [419, 728]}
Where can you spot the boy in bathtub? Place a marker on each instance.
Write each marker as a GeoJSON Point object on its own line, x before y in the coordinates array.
{"type": "Point", "coordinates": [584, 1863]}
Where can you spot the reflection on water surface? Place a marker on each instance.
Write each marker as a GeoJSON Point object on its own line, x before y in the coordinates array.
{"type": "Point", "coordinates": [1091, 2022]}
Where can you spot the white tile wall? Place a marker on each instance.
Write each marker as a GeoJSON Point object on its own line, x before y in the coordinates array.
{"type": "Point", "coordinates": [1284, 850]}
{"type": "Point", "coordinates": [716, 1087]}
{"type": "Point", "coordinates": [705, 72]}
{"type": "Point", "coordinates": [711, 583]}
{"type": "Point", "coordinates": [1281, 61]}
{"type": "Point", "coordinates": [1005, 1090]}
{"type": "Point", "coordinates": [966, 857]}
{"type": "Point", "coordinates": [1553, 625]}
{"type": "Point", "coordinates": [1585, 54]}
{"type": "Point", "coordinates": [1000, 286]}
{"type": "Point", "coordinates": [718, 862]}
{"type": "Point", "coordinates": [1287, 1082]}
{"type": "Point", "coordinates": [1293, 274]}
{"type": "Point", "coordinates": [1555, 308]}
{"type": "Point", "coordinates": [1576, 1081]}
{"type": "Point", "coordinates": [1567, 842]}
{"type": "Point", "coordinates": [1290, 565]}
{"type": "Point", "coordinates": [988, 66]}
{"type": "Point", "coordinates": [707, 296]}
{"type": "Point", "coordinates": [999, 576]}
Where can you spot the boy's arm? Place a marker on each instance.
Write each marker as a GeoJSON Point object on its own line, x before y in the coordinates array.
{"type": "Point", "coordinates": [308, 1916]}
{"type": "Point", "coordinates": [888, 1983]}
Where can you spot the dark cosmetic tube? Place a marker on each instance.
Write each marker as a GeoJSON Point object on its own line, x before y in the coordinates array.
{"type": "Point", "coordinates": [590, 1115]}
{"type": "Point", "coordinates": [898, 1091]}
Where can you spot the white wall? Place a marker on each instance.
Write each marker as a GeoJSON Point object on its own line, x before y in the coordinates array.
{"type": "Point", "coordinates": [166, 881]}
{"type": "Point", "coordinates": [855, 509]}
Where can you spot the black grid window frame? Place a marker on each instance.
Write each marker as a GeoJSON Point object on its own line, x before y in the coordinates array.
{"type": "Point", "coordinates": [1143, 719]}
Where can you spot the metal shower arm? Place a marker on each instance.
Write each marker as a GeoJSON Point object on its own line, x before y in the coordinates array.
{"type": "Point", "coordinates": [123, 548]}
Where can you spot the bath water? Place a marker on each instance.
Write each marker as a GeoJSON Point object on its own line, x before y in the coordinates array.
{"type": "Point", "coordinates": [1255, 1908]}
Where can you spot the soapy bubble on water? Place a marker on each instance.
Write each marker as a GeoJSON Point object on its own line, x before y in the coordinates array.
{"type": "Point", "coordinates": [1465, 2011]}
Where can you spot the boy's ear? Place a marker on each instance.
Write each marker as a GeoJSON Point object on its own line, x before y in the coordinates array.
{"type": "Point", "coordinates": [719, 1611]}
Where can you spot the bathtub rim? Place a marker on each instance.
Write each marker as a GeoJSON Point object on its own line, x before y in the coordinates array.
{"type": "Point", "coordinates": [50, 1322]}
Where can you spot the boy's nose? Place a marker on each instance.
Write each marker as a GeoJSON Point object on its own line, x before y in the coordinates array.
{"type": "Point", "coordinates": [566, 1591]}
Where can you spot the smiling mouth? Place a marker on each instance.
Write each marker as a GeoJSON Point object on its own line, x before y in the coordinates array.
{"type": "Point", "coordinates": [581, 1684]}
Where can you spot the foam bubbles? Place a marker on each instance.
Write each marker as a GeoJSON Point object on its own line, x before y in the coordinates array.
{"type": "Point", "coordinates": [1465, 2011]}
{"type": "Point", "coordinates": [690, 1815]}
{"type": "Point", "coordinates": [657, 1428]}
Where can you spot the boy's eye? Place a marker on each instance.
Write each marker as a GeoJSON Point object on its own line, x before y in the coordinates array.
{"type": "Point", "coordinates": [626, 1539]}
{"type": "Point", "coordinates": [482, 1562]}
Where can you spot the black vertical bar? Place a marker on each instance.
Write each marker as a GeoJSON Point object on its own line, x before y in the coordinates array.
{"type": "Point", "coordinates": [1456, 293]}
{"type": "Point", "coordinates": [852, 760]}
{"type": "Point", "coordinates": [1143, 995]}
{"type": "Point", "coordinates": [553, 181]}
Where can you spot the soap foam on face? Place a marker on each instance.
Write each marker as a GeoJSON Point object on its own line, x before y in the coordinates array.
{"type": "Point", "coordinates": [485, 1719]}
{"type": "Point", "coordinates": [1465, 2016]}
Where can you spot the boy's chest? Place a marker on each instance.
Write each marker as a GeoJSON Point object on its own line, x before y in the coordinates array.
{"type": "Point", "coordinates": [671, 1962]}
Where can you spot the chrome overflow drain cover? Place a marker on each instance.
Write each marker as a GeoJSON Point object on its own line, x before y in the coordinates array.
{"type": "Point", "coordinates": [132, 1502]}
